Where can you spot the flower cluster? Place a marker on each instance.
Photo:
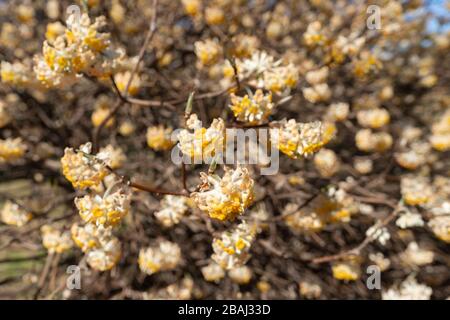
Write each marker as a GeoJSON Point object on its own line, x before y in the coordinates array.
{"type": "Point", "coordinates": [416, 190]}
{"type": "Point", "coordinates": [159, 138]}
{"type": "Point", "coordinates": [319, 90]}
{"type": "Point", "coordinates": [14, 215]}
{"type": "Point", "coordinates": [255, 109]}
{"type": "Point", "coordinates": [12, 149]}
{"type": "Point", "coordinates": [102, 249]}
{"type": "Point", "coordinates": [82, 168]}
{"type": "Point", "coordinates": [213, 272]}
{"type": "Point", "coordinates": [369, 141]}
{"type": "Point", "coordinates": [82, 49]}
{"type": "Point", "coordinates": [225, 198]}
{"type": "Point", "coordinates": [348, 270]}
{"type": "Point", "coordinates": [161, 257]}
{"type": "Point", "coordinates": [56, 240]}
{"type": "Point", "coordinates": [335, 207]}
{"type": "Point", "coordinates": [231, 249]}
{"type": "Point", "coordinates": [409, 289]}
{"type": "Point", "coordinates": [200, 143]}
{"type": "Point", "coordinates": [326, 162]}
{"type": "Point", "coordinates": [440, 138]}
{"type": "Point", "coordinates": [107, 210]}
{"type": "Point", "coordinates": [173, 208]}
{"type": "Point", "coordinates": [299, 139]}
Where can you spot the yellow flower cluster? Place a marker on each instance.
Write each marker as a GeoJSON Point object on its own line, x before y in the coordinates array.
{"type": "Point", "coordinates": [162, 257]}
{"type": "Point", "coordinates": [11, 149]}
{"type": "Point", "coordinates": [159, 138]}
{"type": "Point", "coordinates": [122, 79]}
{"type": "Point", "coordinates": [440, 225]}
{"type": "Point", "coordinates": [415, 156]}
{"type": "Point", "coordinates": [213, 272]}
{"type": "Point", "coordinates": [54, 30]}
{"type": "Point", "coordinates": [192, 7]}
{"type": "Point", "coordinates": [102, 249]}
{"type": "Point", "coordinates": [81, 168]}
{"type": "Point", "coordinates": [114, 157]}
{"type": "Point", "coordinates": [310, 290]}
{"type": "Point", "coordinates": [17, 74]}
{"type": "Point", "coordinates": [101, 111]}
{"type": "Point", "coordinates": [240, 275]}
{"type": "Point", "coordinates": [346, 271]}
{"type": "Point", "coordinates": [173, 208]}
{"type": "Point", "coordinates": [225, 198]}
{"type": "Point", "coordinates": [106, 210]}
{"type": "Point", "coordinates": [81, 49]}
{"type": "Point", "coordinates": [231, 249]}
{"type": "Point", "coordinates": [337, 112]}
{"type": "Point", "coordinates": [208, 52]}
{"type": "Point", "coordinates": [319, 90]}
{"type": "Point", "coordinates": [366, 64]}
{"type": "Point", "coordinates": [416, 190]}
{"type": "Point", "coordinates": [255, 109]}
{"type": "Point", "coordinates": [440, 138]}
{"type": "Point", "coordinates": [369, 141]}
{"type": "Point", "coordinates": [335, 207]}
{"type": "Point", "coordinates": [200, 143]}
{"type": "Point", "coordinates": [299, 139]}
{"type": "Point", "coordinates": [55, 240]}
{"type": "Point", "coordinates": [326, 162]}
{"type": "Point", "coordinates": [14, 215]}
{"type": "Point", "coordinates": [315, 35]}
{"type": "Point", "coordinates": [373, 118]}
{"type": "Point", "coordinates": [262, 71]}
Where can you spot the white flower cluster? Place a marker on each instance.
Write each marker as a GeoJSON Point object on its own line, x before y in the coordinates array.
{"type": "Point", "coordinates": [225, 198]}
{"type": "Point", "coordinates": [102, 249]}
{"type": "Point", "coordinates": [231, 249]}
{"type": "Point", "coordinates": [163, 256]}
{"type": "Point", "coordinates": [173, 208]}
{"type": "Point", "coordinates": [409, 289]}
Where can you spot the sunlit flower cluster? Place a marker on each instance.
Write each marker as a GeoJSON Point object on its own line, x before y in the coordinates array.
{"type": "Point", "coordinates": [440, 138]}
{"type": "Point", "coordinates": [255, 109]}
{"type": "Point", "coordinates": [81, 168]}
{"type": "Point", "coordinates": [416, 190]}
{"type": "Point", "coordinates": [373, 118]}
{"type": "Point", "coordinates": [319, 90]}
{"type": "Point", "coordinates": [370, 141]}
{"type": "Point", "coordinates": [173, 208]}
{"type": "Point", "coordinates": [231, 249]}
{"type": "Point", "coordinates": [56, 240]}
{"type": "Point", "coordinates": [200, 143]}
{"type": "Point", "coordinates": [162, 257]}
{"type": "Point", "coordinates": [102, 249]}
{"type": "Point", "coordinates": [14, 215]}
{"type": "Point", "coordinates": [12, 149]}
{"type": "Point", "coordinates": [326, 162]}
{"type": "Point", "coordinates": [409, 289]}
{"type": "Point", "coordinates": [299, 139]}
{"type": "Point", "coordinates": [227, 197]}
{"type": "Point", "coordinates": [336, 207]}
{"type": "Point", "coordinates": [159, 138]}
{"type": "Point", "coordinates": [346, 270]}
{"type": "Point", "coordinates": [107, 210]}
